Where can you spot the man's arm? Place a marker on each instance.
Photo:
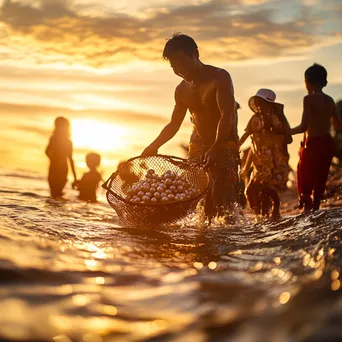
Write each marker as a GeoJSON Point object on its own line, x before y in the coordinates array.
{"type": "Point", "coordinates": [72, 164]}
{"type": "Point", "coordinates": [244, 138]}
{"type": "Point", "coordinates": [226, 104]}
{"type": "Point", "coordinates": [304, 125]}
{"type": "Point", "coordinates": [171, 128]}
{"type": "Point", "coordinates": [48, 149]}
{"type": "Point", "coordinates": [246, 167]}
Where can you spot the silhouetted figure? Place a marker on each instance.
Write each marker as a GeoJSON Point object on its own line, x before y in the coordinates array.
{"type": "Point", "coordinates": [268, 129]}
{"type": "Point", "coordinates": [207, 92]}
{"type": "Point", "coordinates": [317, 149]}
{"type": "Point", "coordinates": [90, 180]}
{"type": "Point", "coordinates": [59, 150]}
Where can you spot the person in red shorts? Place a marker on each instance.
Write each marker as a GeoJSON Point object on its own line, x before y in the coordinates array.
{"type": "Point", "coordinates": [317, 148]}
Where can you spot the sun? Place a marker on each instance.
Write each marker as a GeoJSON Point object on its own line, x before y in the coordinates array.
{"type": "Point", "coordinates": [97, 135]}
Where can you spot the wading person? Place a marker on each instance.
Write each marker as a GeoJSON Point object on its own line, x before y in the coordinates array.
{"type": "Point", "coordinates": [268, 154]}
{"type": "Point", "coordinates": [317, 149]}
{"type": "Point", "coordinates": [89, 182]}
{"type": "Point", "coordinates": [207, 92]}
{"type": "Point", "coordinates": [59, 151]}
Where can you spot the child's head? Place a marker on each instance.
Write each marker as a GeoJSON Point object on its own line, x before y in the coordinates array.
{"type": "Point", "coordinates": [62, 126]}
{"type": "Point", "coordinates": [93, 160]}
{"type": "Point", "coordinates": [315, 77]}
{"type": "Point", "coordinates": [261, 102]}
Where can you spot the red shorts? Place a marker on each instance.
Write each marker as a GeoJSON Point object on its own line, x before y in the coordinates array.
{"type": "Point", "coordinates": [314, 163]}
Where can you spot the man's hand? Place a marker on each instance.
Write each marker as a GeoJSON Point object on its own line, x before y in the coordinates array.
{"type": "Point", "coordinates": [210, 156]}
{"type": "Point", "coordinates": [149, 151]}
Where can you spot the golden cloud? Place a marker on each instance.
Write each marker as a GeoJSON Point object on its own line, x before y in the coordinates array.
{"type": "Point", "coordinates": [54, 32]}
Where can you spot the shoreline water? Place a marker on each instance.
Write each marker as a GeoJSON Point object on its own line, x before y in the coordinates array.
{"type": "Point", "coordinates": [69, 272]}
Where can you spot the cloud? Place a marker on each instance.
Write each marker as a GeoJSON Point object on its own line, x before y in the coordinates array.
{"type": "Point", "coordinates": [55, 32]}
{"type": "Point", "coordinates": [43, 132]}
{"type": "Point", "coordinates": [121, 117]}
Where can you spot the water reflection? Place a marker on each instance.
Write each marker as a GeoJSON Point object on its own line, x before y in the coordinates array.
{"type": "Point", "coordinates": [68, 272]}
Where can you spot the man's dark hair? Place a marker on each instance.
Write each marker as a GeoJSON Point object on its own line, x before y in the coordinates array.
{"type": "Point", "coordinates": [180, 42]}
{"type": "Point", "coordinates": [317, 75]}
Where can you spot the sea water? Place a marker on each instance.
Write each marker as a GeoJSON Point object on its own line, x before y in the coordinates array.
{"type": "Point", "coordinates": [70, 272]}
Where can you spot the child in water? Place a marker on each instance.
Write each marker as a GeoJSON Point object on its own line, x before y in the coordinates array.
{"type": "Point", "coordinates": [89, 183]}
{"type": "Point", "coordinates": [317, 149]}
{"type": "Point", "coordinates": [59, 150]}
{"type": "Point", "coordinates": [268, 155]}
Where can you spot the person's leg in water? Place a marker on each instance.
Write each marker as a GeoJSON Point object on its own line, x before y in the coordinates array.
{"type": "Point", "coordinates": [305, 178]}
{"type": "Point", "coordinates": [266, 205]}
{"type": "Point", "coordinates": [253, 191]}
{"type": "Point", "coordinates": [57, 181]}
{"type": "Point", "coordinates": [196, 154]}
{"type": "Point", "coordinates": [325, 149]}
{"type": "Point", "coordinates": [273, 197]}
{"type": "Point", "coordinates": [222, 196]}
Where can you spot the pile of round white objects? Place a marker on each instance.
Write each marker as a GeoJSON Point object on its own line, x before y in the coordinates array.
{"type": "Point", "coordinates": [167, 188]}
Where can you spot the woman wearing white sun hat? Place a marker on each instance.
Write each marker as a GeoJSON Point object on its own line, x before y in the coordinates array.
{"type": "Point", "coordinates": [268, 154]}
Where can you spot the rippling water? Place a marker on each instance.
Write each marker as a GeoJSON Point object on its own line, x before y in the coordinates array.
{"type": "Point", "coordinates": [69, 272]}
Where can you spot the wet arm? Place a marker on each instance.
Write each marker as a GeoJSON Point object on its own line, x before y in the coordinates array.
{"type": "Point", "coordinates": [226, 104]}
{"type": "Point", "coordinates": [249, 160]}
{"type": "Point", "coordinates": [304, 125]}
{"type": "Point", "coordinates": [48, 150]}
{"type": "Point", "coordinates": [244, 137]}
{"type": "Point", "coordinates": [246, 167]}
{"type": "Point", "coordinates": [72, 165]}
{"type": "Point", "coordinates": [173, 126]}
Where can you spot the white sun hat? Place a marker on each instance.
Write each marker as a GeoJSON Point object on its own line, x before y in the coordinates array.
{"type": "Point", "coordinates": [266, 94]}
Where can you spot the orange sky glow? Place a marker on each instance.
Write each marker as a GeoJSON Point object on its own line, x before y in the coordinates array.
{"type": "Point", "coordinates": [100, 65]}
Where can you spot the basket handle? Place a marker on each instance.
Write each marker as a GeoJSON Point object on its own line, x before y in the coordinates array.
{"type": "Point", "coordinates": [105, 185]}
{"type": "Point", "coordinates": [172, 159]}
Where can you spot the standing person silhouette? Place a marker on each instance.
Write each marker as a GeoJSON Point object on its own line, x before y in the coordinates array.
{"type": "Point", "coordinates": [317, 149]}
{"type": "Point", "coordinates": [59, 150]}
{"type": "Point", "coordinates": [207, 92]}
{"type": "Point", "coordinates": [90, 180]}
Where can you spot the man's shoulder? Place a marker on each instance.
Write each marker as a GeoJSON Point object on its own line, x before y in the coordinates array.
{"type": "Point", "coordinates": [181, 89]}
{"type": "Point", "coordinates": [181, 86]}
{"type": "Point", "coordinates": [220, 76]}
{"type": "Point", "coordinates": [217, 72]}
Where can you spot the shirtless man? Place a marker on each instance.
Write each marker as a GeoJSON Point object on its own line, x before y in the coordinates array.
{"type": "Point", "coordinates": [317, 149]}
{"type": "Point", "coordinates": [207, 92]}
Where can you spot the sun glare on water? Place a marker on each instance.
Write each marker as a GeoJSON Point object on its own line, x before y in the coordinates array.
{"type": "Point", "coordinates": [97, 135]}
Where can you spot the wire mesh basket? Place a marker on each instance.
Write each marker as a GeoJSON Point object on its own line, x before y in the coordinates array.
{"type": "Point", "coordinates": [133, 213]}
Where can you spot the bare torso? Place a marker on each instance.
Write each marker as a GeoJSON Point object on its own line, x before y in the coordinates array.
{"type": "Point", "coordinates": [321, 109]}
{"type": "Point", "coordinates": [201, 100]}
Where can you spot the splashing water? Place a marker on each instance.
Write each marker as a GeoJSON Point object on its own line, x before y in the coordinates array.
{"type": "Point", "coordinates": [69, 272]}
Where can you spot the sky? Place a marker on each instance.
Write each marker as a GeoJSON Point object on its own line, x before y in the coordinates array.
{"type": "Point", "coordinates": [100, 64]}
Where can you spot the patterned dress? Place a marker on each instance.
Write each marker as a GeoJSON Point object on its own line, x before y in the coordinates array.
{"type": "Point", "coordinates": [269, 150]}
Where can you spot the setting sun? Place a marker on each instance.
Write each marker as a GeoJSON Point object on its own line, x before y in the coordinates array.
{"type": "Point", "coordinates": [97, 135]}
